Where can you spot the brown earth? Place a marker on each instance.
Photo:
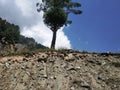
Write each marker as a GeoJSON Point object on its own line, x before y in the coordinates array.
{"type": "Point", "coordinates": [65, 70]}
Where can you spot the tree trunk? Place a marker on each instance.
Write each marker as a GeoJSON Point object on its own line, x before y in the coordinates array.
{"type": "Point", "coordinates": [53, 39]}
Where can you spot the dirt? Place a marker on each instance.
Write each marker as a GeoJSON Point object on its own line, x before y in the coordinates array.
{"type": "Point", "coordinates": [65, 70]}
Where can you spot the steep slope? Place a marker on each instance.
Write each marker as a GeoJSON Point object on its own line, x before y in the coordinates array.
{"type": "Point", "coordinates": [65, 70]}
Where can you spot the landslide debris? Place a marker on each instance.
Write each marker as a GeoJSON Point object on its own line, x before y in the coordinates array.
{"type": "Point", "coordinates": [65, 70]}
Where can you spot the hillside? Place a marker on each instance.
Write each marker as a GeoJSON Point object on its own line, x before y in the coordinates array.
{"type": "Point", "coordinates": [60, 70]}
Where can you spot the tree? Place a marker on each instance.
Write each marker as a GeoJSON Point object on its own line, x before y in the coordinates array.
{"type": "Point", "coordinates": [56, 14]}
{"type": "Point", "coordinates": [30, 43]}
{"type": "Point", "coordinates": [9, 33]}
{"type": "Point", "coordinates": [10, 37]}
{"type": "Point", "coordinates": [54, 21]}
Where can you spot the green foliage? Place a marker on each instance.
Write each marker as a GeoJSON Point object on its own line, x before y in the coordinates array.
{"type": "Point", "coordinates": [116, 64]}
{"type": "Point", "coordinates": [39, 46]}
{"type": "Point", "coordinates": [8, 32]}
{"type": "Point", "coordinates": [30, 43]}
{"type": "Point", "coordinates": [67, 5]}
{"type": "Point", "coordinates": [55, 18]}
{"type": "Point", "coordinates": [11, 42]}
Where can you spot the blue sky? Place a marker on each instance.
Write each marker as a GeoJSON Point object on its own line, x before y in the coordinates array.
{"type": "Point", "coordinates": [97, 28]}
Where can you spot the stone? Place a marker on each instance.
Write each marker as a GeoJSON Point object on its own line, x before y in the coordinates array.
{"type": "Point", "coordinates": [7, 65]}
{"type": "Point", "coordinates": [100, 77]}
{"type": "Point", "coordinates": [45, 76]}
{"type": "Point", "coordinates": [84, 84]}
{"type": "Point", "coordinates": [78, 68]}
{"type": "Point", "coordinates": [72, 88]}
{"type": "Point", "coordinates": [90, 72]}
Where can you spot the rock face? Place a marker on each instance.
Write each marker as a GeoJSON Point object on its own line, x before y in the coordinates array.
{"type": "Point", "coordinates": [60, 71]}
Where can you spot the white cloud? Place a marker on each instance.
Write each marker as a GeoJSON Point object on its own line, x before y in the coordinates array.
{"type": "Point", "coordinates": [24, 7]}
{"type": "Point", "coordinates": [24, 14]}
{"type": "Point", "coordinates": [43, 35]}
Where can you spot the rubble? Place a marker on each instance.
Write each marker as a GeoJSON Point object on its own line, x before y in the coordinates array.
{"type": "Point", "coordinates": [65, 70]}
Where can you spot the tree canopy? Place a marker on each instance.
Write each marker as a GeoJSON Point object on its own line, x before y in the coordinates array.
{"type": "Point", "coordinates": [67, 5]}
{"type": "Point", "coordinates": [8, 32]}
{"type": "Point", "coordinates": [10, 35]}
{"type": "Point", "coordinates": [55, 20]}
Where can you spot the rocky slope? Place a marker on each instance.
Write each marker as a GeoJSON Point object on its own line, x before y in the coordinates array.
{"type": "Point", "coordinates": [65, 70]}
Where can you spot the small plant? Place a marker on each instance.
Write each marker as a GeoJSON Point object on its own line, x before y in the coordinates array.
{"type": "Point", "coordinates": [116, 64]}
{"type": "Point", "coordinates": [113, 80]}
{"type": "Point", "coordinates": [84, 51]}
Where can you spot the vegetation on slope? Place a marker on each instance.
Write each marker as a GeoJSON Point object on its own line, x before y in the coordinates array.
{"type": "Point", "coordinates": [12, 42]}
